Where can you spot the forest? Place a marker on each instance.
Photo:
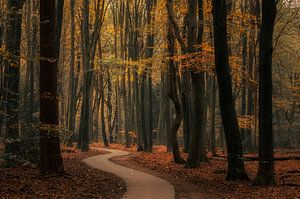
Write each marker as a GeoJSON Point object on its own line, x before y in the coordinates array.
{"type": "Point", "coordinates": [155, 99]}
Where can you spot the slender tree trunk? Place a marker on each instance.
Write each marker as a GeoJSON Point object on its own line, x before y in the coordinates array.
{"type": "Point", "coordinates": [2, 37]}
{"type": "Point", "coordinates": [84, 127]}
{"type": "Point", "coordinates": [213, 116]}
{"type": "Point", "coordinates": [28, 133]}
{"type": "Point", "coordinates": [173, 94]}
{"type": "Point", "coordinates": [265, 175]}
{"type": "Point", "coordinates": [197, 148]}
{"type": "Point", "coordinates": [109, 105]}
{"type": "Point", "coordinates": [72, 99]}
{"type": "Point", "coordinates": [150, 5]}
{"type": "Point", "coordinates": [142, 111]}
{"type": "Point", "coordinates": [97, 110]}
{"type": "Point", "coordinates": [236, 169]}
{"type": "Point", "coordinates": [103, 128]}
{"type": "Point", "coordinates": [161, 133]}
{"type": "Point", "coordinates": [244, 136]}
{"type": "Point", "coordinates": [12, 77]}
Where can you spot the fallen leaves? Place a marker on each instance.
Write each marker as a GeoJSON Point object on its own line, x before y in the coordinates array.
{"type": "Point", "coordinates": [80, 181]}
{"type": "Point", "coordinates": [210, 176]}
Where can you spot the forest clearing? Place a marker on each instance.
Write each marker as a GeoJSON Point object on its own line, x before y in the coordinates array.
{"type": "Point", "coordinates": [150, 99]}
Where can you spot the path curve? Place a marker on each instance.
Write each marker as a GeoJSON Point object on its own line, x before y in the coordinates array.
{"type": "Point", "coordinates": [139, 185]}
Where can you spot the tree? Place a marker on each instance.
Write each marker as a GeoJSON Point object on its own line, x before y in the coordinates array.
{"type": "Point", "coordinates": [84, 127]}
{"type": "Point", "coordinates": [150, 6]}
{"type": "Point", "coordinates": [265, 175]}
{"type": "Point", "coordinates": [194, 37]}
{"type": "Point", "coordinates": [185, 80]}
{"type": "Point", "coordinates": [29, 138]}
{"type": "Point", "coordinates": [50, 156]}
{"type": "Point", "coordinates": [89, 41]}
{"type": "Point", "coordinates": [197, 148]}
{"type": "Point", "coordinates": [12, 75]}
{"type": "Point", "coordinates": [236, 169]}
{"type": "Point", "coordinates": [173, 94]}
{"type": "Point", "coordinates": [73, 92]}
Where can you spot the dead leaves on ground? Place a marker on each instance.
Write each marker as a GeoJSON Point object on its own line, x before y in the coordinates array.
{"type": "Point", "coordinates": [211, 175]}
{"type": "Point", "coordinates": [81, 181]}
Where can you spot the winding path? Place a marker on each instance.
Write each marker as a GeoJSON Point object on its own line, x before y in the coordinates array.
{"type": "Point", "coordinates": [140, 185]}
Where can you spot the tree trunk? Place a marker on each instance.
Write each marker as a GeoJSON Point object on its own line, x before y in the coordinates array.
{"type": "Point", "coordinates": [103, 128]}
{"type": "Point", "coordinates": [150, 5]}
{"type": "Point", "coordinates": [12, 77]}
{"type": "Point", "coordinates": [72, 98]}
{"type": "Point", "coordinates": [109, 105]}
{"type": "Point", "coordinates": [142, 111]}
{"type": "Point", "coordinates": [236, 169]}
{"type": "Point", "coordinates": [173, 94]}
{"type": "Point", "coordinates": [197, 148]}
{"type": "Point", "coordinates": [50, 156]}
{"type": "Point", "coordinates": [265, 175]}
{"type": "Point", "coordinates": [84, 127]}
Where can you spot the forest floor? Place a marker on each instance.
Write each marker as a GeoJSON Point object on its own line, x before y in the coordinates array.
{"type": "Point", "coordinates": [138, 184]}
{"type": "Point", "coordinates": [208, 181]}
{"type": "Point", "coordinates": [81, 181]}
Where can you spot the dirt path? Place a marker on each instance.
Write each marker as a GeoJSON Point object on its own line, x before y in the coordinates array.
{"type": "Point", "coordinates": [140, 185]}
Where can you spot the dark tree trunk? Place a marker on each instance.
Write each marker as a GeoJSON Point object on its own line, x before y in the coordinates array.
{"type": "Point", "coordinates": [243, 100]}
{"type": "Point", "coordinates": [50, 156]}
{"type": "Point", "coordinates": [97, 102]}
{"type": "Point", "coordinates": [109, 106]}
{"type": "Point", "coordinates": [103, 128]}
{"type": "Point", "coordinates": [265, 175]}
{"type": "Point", "coordinates": [84, 128]}
{"type": "Point", "coordinates": [73, 92]}
{"type": "Point", "coordinates": [213, 116]}
{"type": "Point", "coordinates": [12, 77]}
{"type": "Point", "coordinates": [59, 13]}
{"type": "Point", "coordinates": [117, 108]}
{"type": "Point", "coordinates": [125, 108]}
{"type": "Point", "coordinates": [150, 5]}
{"type": "Point", "coordinates": [29, 134]}
{"type": "Point", "coordinates": [143, 112]}
{"type": "Point", "coordinates": [2, 36]}
{"type": "Point", "coordinates": [173, 94]}
{"type": "Point", "coordinates": [197, 148]}
{"type": "Point", "coordinates": [185, 103]}
{"type": "Point", "coordinates": [236, 168]}
{"type": "Point", "coordinates": [137, 113]}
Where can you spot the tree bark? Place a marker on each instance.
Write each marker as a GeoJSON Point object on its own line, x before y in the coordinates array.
{"type": "Point", "coordinates": [12, 77]}
{"type": "Point", "coordinates": [150, 5]}
{"type": "Point", "coordinates": [84, 127]}
{"type": "Point", "coordinates": [173, 94]}
{"type": "Point", "coordinates": [197, 148]}
{"type": "Point", "coordinates": [213, 117]}
{"type": "Point", "coordinates": [73, 92]}
{"type": "Point", "coordinates": [236, 169]}
{"type": "Point", "coordinates": [50, 156]}
{"type": "Point", "coordinates": [265, 175]}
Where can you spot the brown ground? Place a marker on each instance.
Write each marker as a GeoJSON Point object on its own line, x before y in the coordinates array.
{"type": "Point", "coordinates": [80, 182]}
{"type": "Point", "coordinates": [208, 180]}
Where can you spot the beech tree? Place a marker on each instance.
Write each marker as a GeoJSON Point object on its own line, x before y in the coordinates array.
{"type": "Point", "coordinates": [236, 169]}
{"type": "Point", "coordinates": [12, 76]}
{"type": "Point", "coordinates": [265, 175]}
{"type": "Point", "coordinates": [50, 157]}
